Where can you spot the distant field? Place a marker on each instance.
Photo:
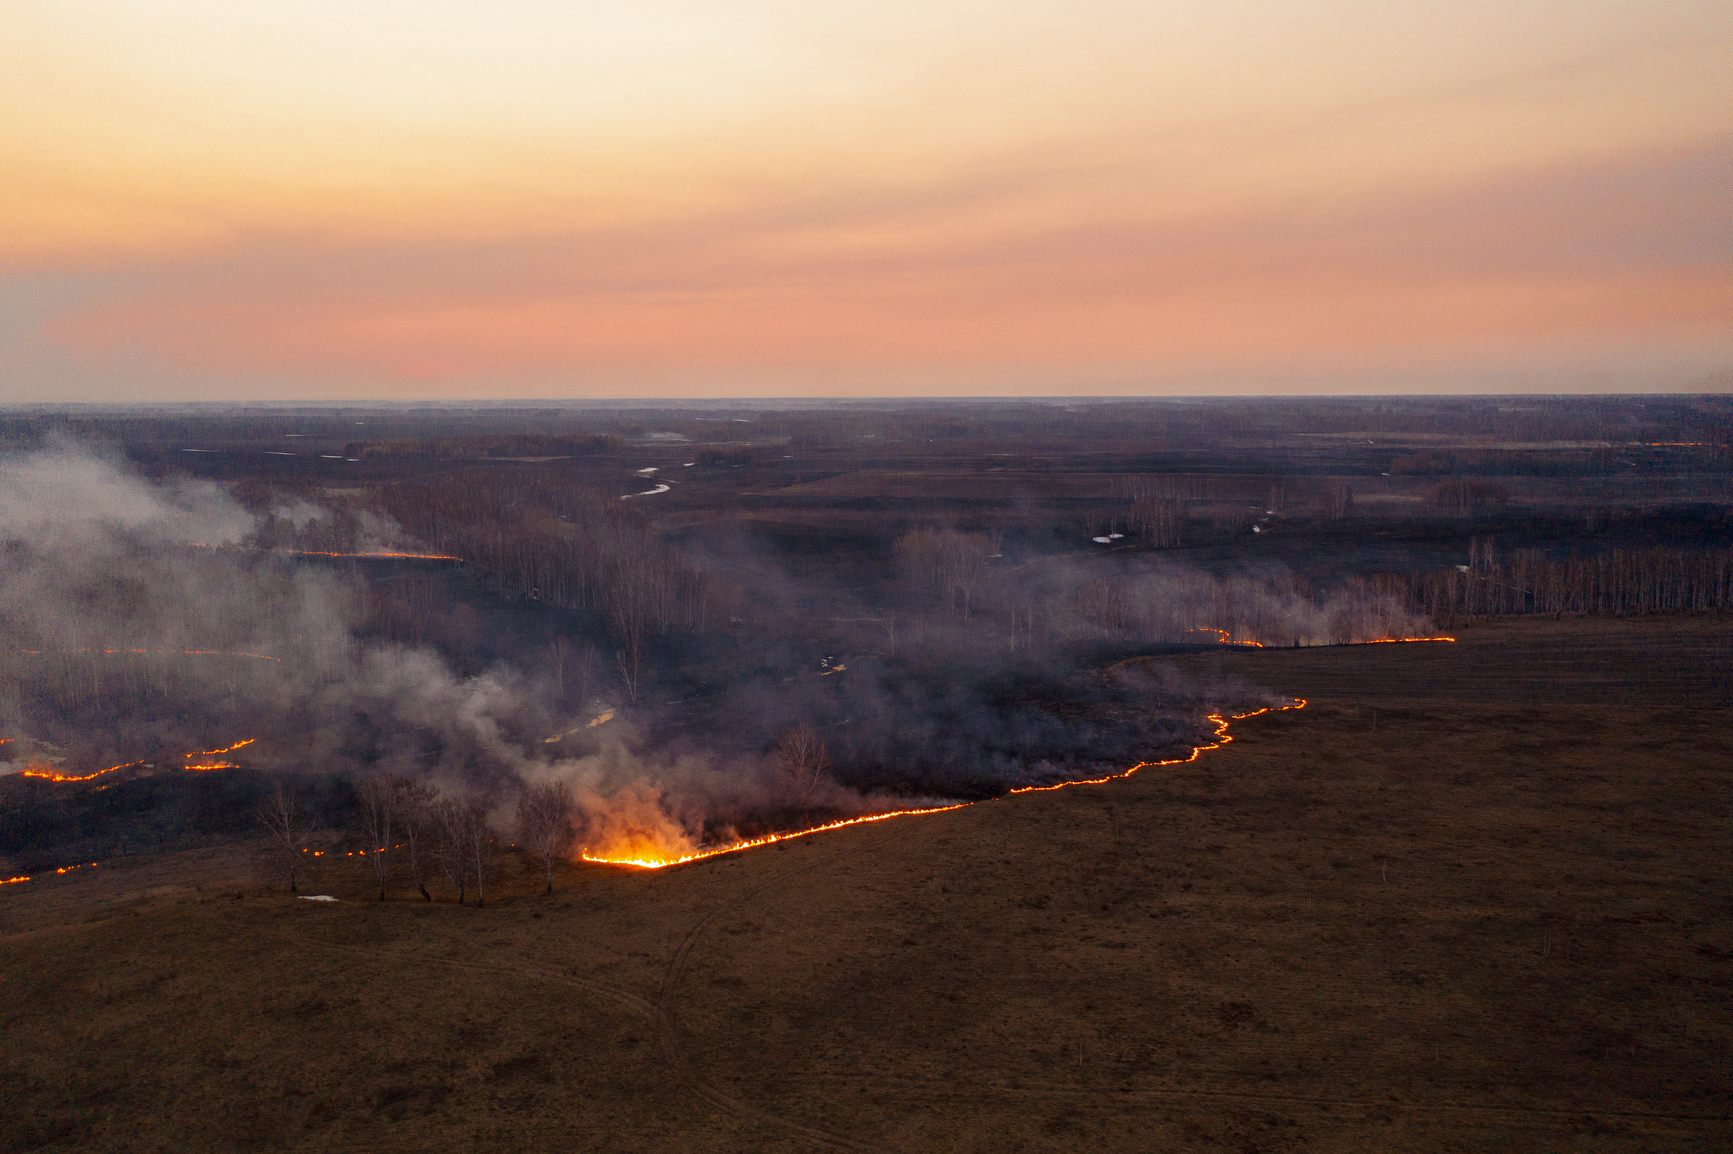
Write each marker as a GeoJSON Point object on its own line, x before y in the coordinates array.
{"type": "Point", "coordinates": [1474, 897]}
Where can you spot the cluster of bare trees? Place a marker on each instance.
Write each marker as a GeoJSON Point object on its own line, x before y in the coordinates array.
{"type": "Point", "coordinates": [1339, 501]}
{"type": "Point", "coordinates": [1160, 521]}
{"type": "Point", "coordinates": [1620, 581]}
{"type": "Point", "coordinates": [409, 829]}
{"type": "Point", "coordinates": [802, 764]}
{"type": "Point", "coordinates": [947, 563]}
{"type": "Point", "coordinates": [544, 824]}
{"type": "Point", "coordinates": [1460, 495]}
{"type": "Point", "coordinates": [545, 536]}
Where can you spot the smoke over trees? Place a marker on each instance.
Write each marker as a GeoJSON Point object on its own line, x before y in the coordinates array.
{"type": "Point", "coordinates": [157, 615]}
{"type": "Point", "coordinates": [802, 764]}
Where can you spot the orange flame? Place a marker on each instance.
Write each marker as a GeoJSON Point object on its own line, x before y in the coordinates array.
{"type": "Point", "coordinates": [14, 881]}
{"type": "Point", "coordinates": [46, 774]}
{"type": "Point", "coordinates": [224, 749]}
{"type": "Point", "coordinates": [1225, 635]}
{"type": "Point", "coordinates": [644, 861]}
{"type": "Point", "coordinates": [752, 843]}
{"type": "Point", "coordinates": [1221, 738]}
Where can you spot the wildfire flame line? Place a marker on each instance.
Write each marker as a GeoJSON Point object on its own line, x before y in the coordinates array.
{"type": "Point", "coordinates": [26, 877]}
{"type": "Point", "coordinates": [1221, 738]}
{"type": "Point", "coordinates": [224, 749]}
{"type": "Point", "coordinates": [50, 775]}
{"type": "Point", "coordinates": [754, 842]}
{"type": "Point", "coordinates": [1224, 636]}
{"type": "Point", "coordinates": [47, 774]}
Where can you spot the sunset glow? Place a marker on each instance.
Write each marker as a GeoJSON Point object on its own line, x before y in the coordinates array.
{"type": "Point", "coordinates": [682, 198]}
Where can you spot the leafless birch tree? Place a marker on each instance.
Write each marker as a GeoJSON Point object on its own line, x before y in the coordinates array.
{"type": "Point", "coordinates": [544, 823]}
{"type": "Point", "coordinates": [415, 803]}
{"type": "Point", "coordinates": [378, 796]}
{"type": "Point", "coordinates": [483, 849]}
{"type": "Point", "coordinates": [451, 819]}
{"type": "Point", "coordinates": [287, 831]}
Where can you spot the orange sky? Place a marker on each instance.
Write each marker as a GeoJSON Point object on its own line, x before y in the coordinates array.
{"type": "Point", "coordinates": [395, 200]}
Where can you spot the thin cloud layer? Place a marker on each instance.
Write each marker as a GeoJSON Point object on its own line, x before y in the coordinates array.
{"type": "Point", "coordinates": [553, 199]}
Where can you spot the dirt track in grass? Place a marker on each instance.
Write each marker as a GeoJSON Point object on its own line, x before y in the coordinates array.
{"type": "Point", "coordinates": [1472, 897]}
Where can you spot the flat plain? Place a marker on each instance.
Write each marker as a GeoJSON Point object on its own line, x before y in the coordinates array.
{"type": "Point", "coordinates": [1471, 897]}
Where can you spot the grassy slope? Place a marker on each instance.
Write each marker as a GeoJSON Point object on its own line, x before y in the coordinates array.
{"type": "Point", "coordinates": [1503, 918]}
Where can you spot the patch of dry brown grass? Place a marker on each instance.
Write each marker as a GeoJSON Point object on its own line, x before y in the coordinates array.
{"type": "Point", "coordinates": [1501, 919]}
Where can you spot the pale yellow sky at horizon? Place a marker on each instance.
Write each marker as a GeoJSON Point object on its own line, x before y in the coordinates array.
{"type": "Point", "coordinates": [410, 199]}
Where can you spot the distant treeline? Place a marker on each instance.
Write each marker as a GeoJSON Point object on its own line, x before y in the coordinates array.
{"type": "Point", "coordinates": [544, 536]}
{"type": "Point", "coordinates": [1462, 496]}
{"type": "Point", "coordinates": [1618, 582]}
{"type": "Point", "coordinates": [499, 445]}
{"type": "Point", "coordinates": [1506, 463]}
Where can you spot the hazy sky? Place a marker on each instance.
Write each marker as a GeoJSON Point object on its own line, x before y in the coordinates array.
{"type": "Point", "coordinates": [210, 200]}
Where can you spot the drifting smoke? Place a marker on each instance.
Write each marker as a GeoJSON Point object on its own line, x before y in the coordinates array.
{"type": "Point", "coordinates": [138, 620]}
{"type": "Point", "coordinates": [141, 620]}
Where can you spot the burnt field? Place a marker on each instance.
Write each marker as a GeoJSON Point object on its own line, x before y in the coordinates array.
{"type": "Point", "coordinates": [1469, 896]}
{"type": "Point", "coordinates": [1443, 907]}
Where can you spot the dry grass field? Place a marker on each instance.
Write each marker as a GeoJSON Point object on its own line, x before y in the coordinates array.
{"type": "Point", "coordinates": [1473, 897]}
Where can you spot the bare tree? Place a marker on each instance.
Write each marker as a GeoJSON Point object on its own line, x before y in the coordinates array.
{"type": "Point", "coordinates": [415, 802]}
{"type": "Point", "coordinates": [544, 823]}
{"type": "Point", "coordinates": [802, 762]}
{"type": "Point", "coordinates": [451, 817]}
{"type": "Point", "coordinates": [558, 648]}
{"type": "Point", "coordinates": [483, 848]}
{"type": "Point", "coordinates": [287, 831]}
{"type": "Point", "coordinates": [626, 661]}
{"type": "Point", "coordinates": [378, 796]}
{"type": "Point", "coordinates": [1341, 499]}
{"type": "Point", "coordinates": [889, 622]}
{"type": "Point", "coordinates": [586, 671]}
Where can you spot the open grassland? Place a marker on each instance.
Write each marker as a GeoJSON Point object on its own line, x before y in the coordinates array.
{"type": "Point", "coordinates": [1473, 897]}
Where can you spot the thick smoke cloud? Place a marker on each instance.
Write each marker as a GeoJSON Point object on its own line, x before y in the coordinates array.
{"type": "Point", "coordinates": [142, 620]}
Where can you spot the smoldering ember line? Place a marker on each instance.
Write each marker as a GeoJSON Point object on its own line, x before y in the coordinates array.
{"type": "Point", "coordinates": [1222, 737]}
